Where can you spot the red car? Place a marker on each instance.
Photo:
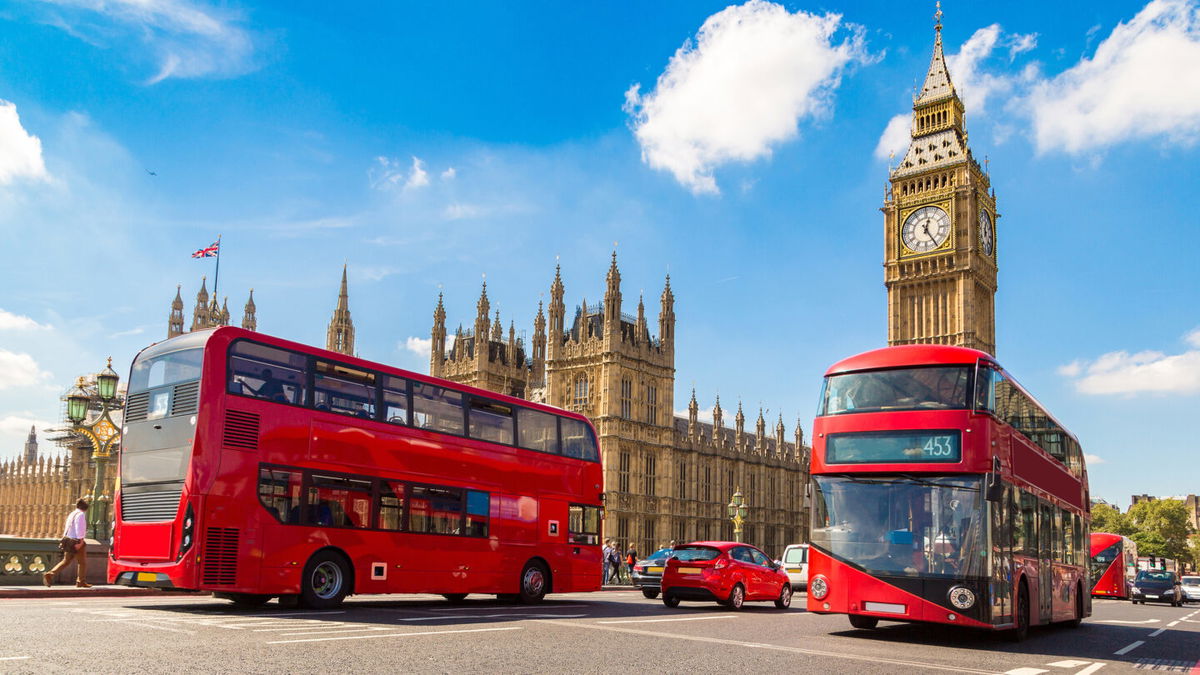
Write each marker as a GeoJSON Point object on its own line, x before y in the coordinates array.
{"type": "Point", "coordinates": [727, 572]}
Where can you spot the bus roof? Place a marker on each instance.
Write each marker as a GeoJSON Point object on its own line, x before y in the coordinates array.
{"type": "Point", "coordinates": [908, 355]}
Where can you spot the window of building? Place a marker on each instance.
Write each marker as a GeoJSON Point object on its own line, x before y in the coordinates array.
{"type": "Point", "coordinates": [437, 408]}
{"type": "Point", "coordinates": [649, 537]}
{"type": "Point", "coordinates": [623, 532]}
{"type": "Point", "coordinates": [581, 391]}
{"type": "Point", "coordinates": [623, 461]}
{"type": "Point", "coordinates": [490, 421]}
{"type": "Point", "coordinates": [648, 476]}
{"type": "Point", "coordinates": [537, 430]}
{"type": "Point", "coordinates": [681, 479]}
{"type": "Point", "coordinates": [681, 532]}
{"type": "Point", "coordinates": [651, 404]}
{"type": "Point", "coordinates": [707, 486]}
{"type": "Point", "coordinates": [627, 398]}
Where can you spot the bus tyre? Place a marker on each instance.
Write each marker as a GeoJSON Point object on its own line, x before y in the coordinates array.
{"type": "Point", "coordinates": [1022, 630]}
{"type": "Point", "coordinates": [650, 593]}
{"type": "Point", "coordinates": [326, 581]}
{"type": "Point", "coordinates": [455, 597]}
{"type": "Point", "coordinates": [737, 597]}
{"type": "Point", "coordinates": [1074, 623]}
{"type": "Point", "coordinates": [785, 597]}
{"type": "Point", "coordinates": [534, 583]}
{"type": "Point", "coordinates": [864, 622]}
{"type": "Point", "coordinates": [245, 599]}
{"type": "Point", "coordinates": [670, 600]}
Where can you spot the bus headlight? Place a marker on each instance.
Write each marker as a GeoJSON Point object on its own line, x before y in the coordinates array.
{"type": "Point", "coordinates": [818, 587]}
{"type": "Point", "coordinates": [962, 597]}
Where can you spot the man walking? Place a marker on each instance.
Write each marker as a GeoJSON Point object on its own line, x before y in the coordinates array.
{"type": "Point", "coordinates": [73, 546]}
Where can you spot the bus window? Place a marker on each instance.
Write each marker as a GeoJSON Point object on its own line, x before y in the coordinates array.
{"type": "Point", "coordinates": [577, 440]}
{"type": "Point", "coordinates": [436, 510]}
{"type": "Point", "coordinates": [926, 388]}
{"type": "Point", "coordinates": [478, 510]}
{"type": "Point", "coordinates": [490, 421]}
{"type": "Point", "coordinates": [343, 390]}
{"type": "Point", "coordinates": [391, 506]}
{"type": "Point", "coordinates": [395, 400]}
{"type": "Point", "coordinates": [279, 492]}
{"type": "Point", "coordinates": [437, 408]}
{"type": "Point", "coordinates": [985, 391]}
{"type": "Point", "coordinates": [180, 366]}
{"type": "Point", "coordinates": [335, 501]}
{"type": "Point", "coordinates": [583, 524]}
{"type": "Point", "coordinates": [266, 372]}
{"type": "Point", "coordinates": [537, 430]}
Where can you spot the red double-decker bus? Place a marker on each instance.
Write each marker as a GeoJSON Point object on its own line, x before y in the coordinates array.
{"type": "Point", "coordinates": [942, 492]}
{"type": "Point", "coordinates": [1113, 564]}
{"type": "Point", "coordinates": [256, 467]}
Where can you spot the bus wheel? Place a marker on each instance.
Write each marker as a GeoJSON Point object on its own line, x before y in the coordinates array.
{"type": "Point", "coordinates": [864, 622]}
{"type": "Point", "coordinates": [1022, 630]}
{"type": "Point", "coordinates": [325, 582]}
{"type": "Point", "coordinates": [455, 597]}
{"type": "Point", "coordinates": [534, 582]}
{"type": "Point", "coordinates": [649, 593]}
{"type": "Point", "coordinates": [1074, 623]}
{"type": "Point", "coordinates": [245, 599]}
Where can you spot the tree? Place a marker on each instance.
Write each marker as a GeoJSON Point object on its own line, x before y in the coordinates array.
{"type": "Point", "coordinates": [1162, 528]}
{"type": "Point", "coordinates": [1108, 519]}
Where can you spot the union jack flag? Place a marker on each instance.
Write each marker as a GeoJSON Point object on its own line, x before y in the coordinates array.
{"type": "Point", "coordinates": [208, 251]}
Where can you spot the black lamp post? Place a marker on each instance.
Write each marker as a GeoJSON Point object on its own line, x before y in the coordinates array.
{"type": "Point", "coordinates": [738, 510]}
{"type": "Point", "coordinates": [103, 434]}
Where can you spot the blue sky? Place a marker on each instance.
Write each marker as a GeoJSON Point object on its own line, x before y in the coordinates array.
{"type": "Point", "coordinates": [744, 148]}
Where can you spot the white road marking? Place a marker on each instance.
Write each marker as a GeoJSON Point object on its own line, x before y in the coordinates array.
{"type": "Point", "coordinates": [1173, 623]}
{"type": "Point", "coordinates": [346, 629]}
{"type": "Point", "coordinates": [1127, 622]}
{"type": "Point", "coordinates": [1091, 669]}
{"type": "Point", "coordinates": [315, 624]}
{"type": "Point", "coordinates": [142, 624]}
{"type": "Point", "coordinates": [1158, 632]}
{"type": "Point", "coordinates": [1068, 664]}
{"type": "Point", "coordinates": [686, 618]}
{"type": "Point", "coordinates": [781, 648]}
{"type": "Point", "coordinates": [1025, 671]}
{"type": "Point", "coordinates": [1128, 648]}
{"type": "Point", "coordinates": [12, 658]}
{"type": "Point", "coordinates": [493, 616]}
{"type": "Point", "coordinates": [477, 608]}
{"type": "Point", "coordinates": [428, 632]}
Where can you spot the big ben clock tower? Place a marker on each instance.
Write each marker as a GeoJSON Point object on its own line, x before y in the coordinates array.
{"type": "Point", "coordinates": [940, 227]}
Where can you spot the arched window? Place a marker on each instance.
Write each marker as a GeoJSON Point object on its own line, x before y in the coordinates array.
{"type": "Point", "coordinates": [581, 390]}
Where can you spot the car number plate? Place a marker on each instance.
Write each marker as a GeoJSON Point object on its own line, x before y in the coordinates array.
{"type": "Point", "coordinates": [689, 570]}
{"type": "Point", "coordinates": [147, 576]}
{"type": "Point", "coordinates": [655, 570]}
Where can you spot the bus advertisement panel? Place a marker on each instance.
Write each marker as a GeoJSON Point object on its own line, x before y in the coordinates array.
{"type": "Point", "coordinates": [255, 467]}
{"type": "Point", "coordinates": [942, 492]}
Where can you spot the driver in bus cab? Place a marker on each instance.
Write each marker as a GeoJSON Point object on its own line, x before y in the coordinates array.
{"type": "Point", "coordinates": [271, 388]}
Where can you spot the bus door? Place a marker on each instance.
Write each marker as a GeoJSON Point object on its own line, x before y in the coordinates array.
{"type": "Point", "coordinates": [1045, 562]}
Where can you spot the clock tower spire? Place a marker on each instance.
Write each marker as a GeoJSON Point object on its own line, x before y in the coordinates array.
{"type": "Point", "coordinates": [939, 226]}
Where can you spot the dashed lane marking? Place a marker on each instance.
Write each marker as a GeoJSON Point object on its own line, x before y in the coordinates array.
{"type": "Point", "coordinates": [1128, 648]}
{"type": "Point", "coordinates": [1172, 624]}
{"type": "Point", "coordinates": [686, 618]}
{"type": "Point", "coordinates": [1127, 622]}
{"type": "Point", "coordinates": [386, 635]}
{"type": "Point", "coordinates": [780, 648]}
{"type": "Point", "coordinates": [1157, 632]}
{"type": "Point", "coordinates": [1091, 669]}
{"type": "Point", "coordinates": [1068, 664]}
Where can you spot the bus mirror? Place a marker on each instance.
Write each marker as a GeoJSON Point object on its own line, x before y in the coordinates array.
{"type": "Point", "coordinates": [995, 489]}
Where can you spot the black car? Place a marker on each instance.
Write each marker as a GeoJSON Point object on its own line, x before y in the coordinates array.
{"type": "Point", "coordinates": [647, 573]}
{"type": "Point", "coordinates": [1156, 586]}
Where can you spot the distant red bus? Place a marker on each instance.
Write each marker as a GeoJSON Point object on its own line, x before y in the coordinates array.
{"type": "Point", "coordinates": [256, 467]}
{"type": "Point", "coordinates": [1113, 564]}
{"type": "Point", "coordinates": [943, 493]}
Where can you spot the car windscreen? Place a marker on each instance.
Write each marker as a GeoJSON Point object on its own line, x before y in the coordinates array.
{"type": "Point", "coordinates": [689, 553]}
{"type": "Point", "coordinates": [795, 556]}
{"type": "Point", "coordinates": [1155, 576]}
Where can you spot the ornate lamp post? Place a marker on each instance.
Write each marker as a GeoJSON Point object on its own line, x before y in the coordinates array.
{"type": "Point", "coordinates": [738, 509]}
{"type": "Point", "coordinates": [102, 432]}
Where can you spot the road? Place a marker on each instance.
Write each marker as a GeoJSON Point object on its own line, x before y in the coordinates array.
{"type": "Point", "coordinates": [612, 631]}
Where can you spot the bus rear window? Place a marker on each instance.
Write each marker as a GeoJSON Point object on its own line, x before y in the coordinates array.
{"type": "Point", "coordinates": [159, 371]}
{"type": "Point", "coordinates": [927, 388]}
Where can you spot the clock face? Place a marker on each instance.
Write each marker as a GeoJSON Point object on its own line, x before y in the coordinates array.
{"type": "Point", "coordinates": [986, 237]}
{"type": "Point", "coordinates": [925, 229]}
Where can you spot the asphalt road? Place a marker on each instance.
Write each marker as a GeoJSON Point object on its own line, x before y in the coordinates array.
{"type": "Point", "coordinates": [612, 631]}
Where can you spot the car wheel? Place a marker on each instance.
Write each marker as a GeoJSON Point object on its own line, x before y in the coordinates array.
{"type": "Point", "coordinates": [785, 597]}
{"type": "Point", "coordinates": [737, 597]}
{"type": "Point", "coordinates": [455, 597]}
{"type": "Point", "coordinates": [650, 593]}
{"type": "Point", "coordinates": [326, 581]}
{"type": "Point", "coordinates": [534, 583]}
{"type": "Point", "coordinates": [1022, 630]}
{"type": "Point", "coordinates": [864, 622]}
{"type": "Point", "coordinates": [670, 600]}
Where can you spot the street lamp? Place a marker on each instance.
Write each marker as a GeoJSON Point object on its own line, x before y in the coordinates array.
{"type": "Point", "coordinates": [737, 509]}
{"type": "Point", "coordinates": [103, 435]}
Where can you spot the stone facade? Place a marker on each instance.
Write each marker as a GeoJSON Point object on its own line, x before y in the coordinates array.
{"type": "Point", "coordinates": [940, 227]}
{"type": "Point", "coordinates": [666, 477]}
{"type": "Point", "coordinates": [207, 313]}
{"type": "Point", "coordinates": [37, 491]}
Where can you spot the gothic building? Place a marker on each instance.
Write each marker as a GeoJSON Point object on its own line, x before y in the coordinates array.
{"type": "Point", "coordinates": [666, 477]}
{"type": "Point", "coordinates": [940, 226]}
{"type": "Point", "coordinates": [339, 337]}
{"type": "Point", "coordinates": [207, 313]}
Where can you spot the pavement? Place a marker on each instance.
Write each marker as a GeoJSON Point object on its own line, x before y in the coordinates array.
{"type": "Point", "coordinates": [70, 591]}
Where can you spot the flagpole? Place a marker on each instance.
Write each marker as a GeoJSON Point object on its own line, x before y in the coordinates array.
{"type": "Point", "coordinates": [217, 276]}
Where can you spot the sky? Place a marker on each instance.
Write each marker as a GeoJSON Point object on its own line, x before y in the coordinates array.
{"type": "Point", "coordinates": [743, 149]}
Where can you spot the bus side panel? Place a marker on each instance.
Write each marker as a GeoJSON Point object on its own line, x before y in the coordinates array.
{"type": "Point", "coordinates": [231, 546]}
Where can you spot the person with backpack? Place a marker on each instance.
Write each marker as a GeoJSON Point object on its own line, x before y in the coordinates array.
{"type": "Point", "coordinates": [631, 557]}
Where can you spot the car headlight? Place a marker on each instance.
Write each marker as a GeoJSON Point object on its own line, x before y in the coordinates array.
{"type": "Point", "coordinates": [1134, 589]}
{"type": "Point", "coordinates": [818, 587]}
{"type": "Point", "coordinates": [962, 597]}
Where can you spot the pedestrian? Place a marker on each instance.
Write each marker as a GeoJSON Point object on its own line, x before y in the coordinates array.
{"type": "Point", "coordinates": [631, 557]}
{"type": "Point", "coordinates": [614, 561]}
{"type": "Point", "coordinates": [606, 561]}
{"type": "Point", "coordinates": [73, 547]}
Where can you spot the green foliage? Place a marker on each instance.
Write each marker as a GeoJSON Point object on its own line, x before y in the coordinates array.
{"type": "Point", "coordinates": [1108, 519]}
{"type": "Point", "coordinates": [1161, 528]}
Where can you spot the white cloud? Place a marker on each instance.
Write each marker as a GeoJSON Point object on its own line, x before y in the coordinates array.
{"type": "Point", "coordinates": [896, 136]}
{"type": "Point", "coordinates": [449, 174]}
{"type": "Point", "coordinates": [1094, 459]}
{"type": "Point", "coordinates": [1020, 43]}
{"type": "Point", "coordinates": [1144, 372]}
{"type": "Point", "coordinates": [187, 39]}
{"type": "Point", "coordinates": [751, 74]}
{"type": "Point", "coordinates": [460, 211]}
{"type": "Point", "coordinates": [14, 430]}
{"type": "Point", "coordinates": [20, 152]}
{"type": "Point", "coordinates": [17, 322]}
{"type": "Point", "coordinates": [1142, 82]}
{"type": "Point", "coordinates": [422, 347]}
{"type": "Point", "coordinates": [418, 177]}
{"type": "Point", "coordinates": [390, 173]}
{"type": "Point", "coordinates": [19, 370]}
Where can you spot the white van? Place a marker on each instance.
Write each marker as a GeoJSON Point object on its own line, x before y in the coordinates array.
{"type": "Point", "coordinates": [795, 563]}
